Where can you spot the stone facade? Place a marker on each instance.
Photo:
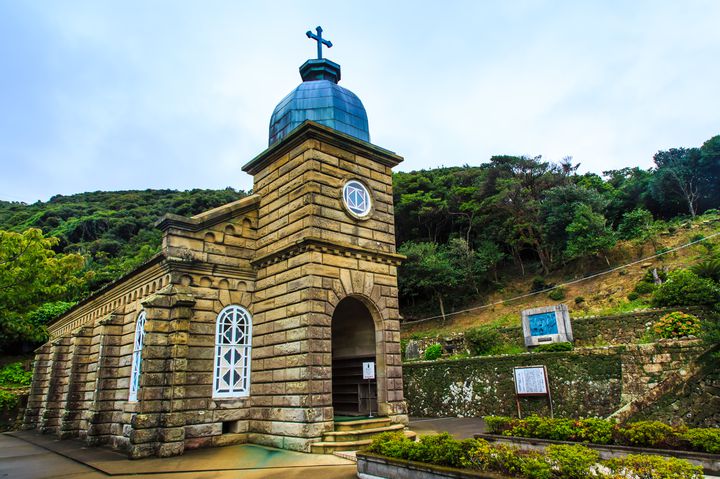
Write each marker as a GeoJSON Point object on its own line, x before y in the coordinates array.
{"type": "Point", "coordinates": [289, 254]}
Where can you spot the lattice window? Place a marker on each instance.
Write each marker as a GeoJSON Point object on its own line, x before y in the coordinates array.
{"type": "Point", "coordinates": [233, 343]}
{"type": "Point", "coordinates": [137, 356]}
{"type": "Point", "coordinates": [357, 198]}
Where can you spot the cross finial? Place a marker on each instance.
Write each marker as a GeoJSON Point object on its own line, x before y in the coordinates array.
{"type": "Point", "coordinates": [319, 39]}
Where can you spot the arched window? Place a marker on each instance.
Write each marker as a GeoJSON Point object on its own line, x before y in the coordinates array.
{"type": "Point", "coordinates": [233, 341]}
{"type": "Point", "coordinates": [137, 356]}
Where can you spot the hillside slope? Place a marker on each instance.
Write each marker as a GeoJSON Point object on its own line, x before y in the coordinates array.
{"type": "Point", "coordinates": [604, 294]}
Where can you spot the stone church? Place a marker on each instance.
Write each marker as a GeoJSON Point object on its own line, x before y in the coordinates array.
{"type": "Point", "coordinates": [254, 322]}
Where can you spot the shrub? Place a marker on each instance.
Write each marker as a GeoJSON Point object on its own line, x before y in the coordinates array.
{"type": "Point", "coordinates": [496, 458]}
{"type": "Point", "coordinates": [632, 296]}
{"type": "Point", "coordinates": [433, 352]}
{"type": "Point", "coordinates": [440, 449]}
{"type": "Point", "coordinates": [538, 284]}
{"type": "Point", "coordinates": [703, 439]}
{"type": "Point", "coordinates": [481, 340]}
{"type": "Point", "coordinates": [677, 325]}
{"type": "Point", "coordinates": [645, 434]}
{"type": "Point", "coordinates": [391, 444]}
{"type": "Point", "coordinates": [579, 299]}
{"type": "Point", "coordinates": [646, 466]}
{"type": "Point", "coordinates": [557, 294]}
{"type": "Point", "coordinates": [709, 268]}
{"type": "Point", "coordinates": [497, 424]}
{"type": "Point", "coordinates": [558, 429]}
{"type": "Point", "coordinates": [559, 461]}
{"type": "Point", "coordinates": [644, 287]}
{"type": "Point", "coordinates": [8, 399]}
{"type": "Point", "coordinates": [572, 462]}
{"type": "Point", "coordinates": [14, 374]}
{"type": "Point", "coordinates": [635, 224]}
{"type": "Point", "coordinates": [553, 347]}
{"type": "Point", "coordinates": [697, 237]}
{"type": "Point", "coordinates": [649, 276]}
{"type": "Point", "coordinates": [595, 430]}
{"type": "Point", "coordinates": [685, 288]}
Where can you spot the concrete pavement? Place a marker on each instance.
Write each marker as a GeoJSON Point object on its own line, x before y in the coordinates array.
{"type": "Point", "coordinates": [49, 458]}
{"type": "Point", "coordinates": [28, 455]}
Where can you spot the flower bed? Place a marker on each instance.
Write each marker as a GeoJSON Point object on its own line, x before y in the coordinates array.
{"type": "Point", "coordinates": [393, 456]}
{"type": "Point", "coordinates": [646, 434]}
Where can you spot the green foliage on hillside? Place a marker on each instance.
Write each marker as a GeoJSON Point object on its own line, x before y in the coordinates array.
{"type": "Point", "coordinates": [538, 216]}
{"type": "Point", "coordinates": [113, 231]}
{"type": "Point", "coordinates": [32, 277]}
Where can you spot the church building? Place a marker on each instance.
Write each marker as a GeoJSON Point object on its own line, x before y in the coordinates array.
{"type": "Point", "coordinates": [270, 320]}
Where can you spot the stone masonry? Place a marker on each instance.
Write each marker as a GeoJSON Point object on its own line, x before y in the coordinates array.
{"type": "Point", "coordinates": [289, 253]}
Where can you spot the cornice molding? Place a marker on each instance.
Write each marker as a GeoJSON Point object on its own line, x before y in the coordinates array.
{"type": "Point", "coordinates": [210, 217]}
{"type": "Point", "coordinates": [327, 246]}
{"type": "Point", "coordinates": [315, 131]}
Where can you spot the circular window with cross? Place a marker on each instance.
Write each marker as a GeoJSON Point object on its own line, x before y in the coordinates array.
{"type": "Point", "coordinates": [357, 199]}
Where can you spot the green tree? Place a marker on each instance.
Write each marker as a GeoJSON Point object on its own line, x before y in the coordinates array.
{"type": "Point", "coordinates": [588, 234]}
{"type": "Point", "coordinates": [427, 271]}
{"type": "Point", "coordinates": [31, 274]}
{"type": "Point", "coordinates": [680, 171]}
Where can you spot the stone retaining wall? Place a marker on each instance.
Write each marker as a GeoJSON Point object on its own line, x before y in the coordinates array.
{"type": "Point", "coordinates": [585, 382]}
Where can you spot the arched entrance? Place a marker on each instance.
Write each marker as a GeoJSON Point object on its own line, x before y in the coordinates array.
{"type": "Point", "coordinates": [353, 343]}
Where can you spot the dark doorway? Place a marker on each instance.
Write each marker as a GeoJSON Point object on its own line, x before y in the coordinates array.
{"type": "Point", "coordinates": [353, 343]}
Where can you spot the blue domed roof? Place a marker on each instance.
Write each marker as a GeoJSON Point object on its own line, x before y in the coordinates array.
{"type": "Point", "coordinates": [319, 98]}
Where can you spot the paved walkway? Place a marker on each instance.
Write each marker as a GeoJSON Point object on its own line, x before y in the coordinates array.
{"type": "Point", "coordinates": [459, 427]}
{"type": "Point", "coordinates": [28, 455]}
{"type": "Point", "coordinates": [45, 457]}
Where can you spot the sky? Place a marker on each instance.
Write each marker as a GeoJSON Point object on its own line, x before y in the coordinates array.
{"type": "Point", "coordinates": [114, 95]}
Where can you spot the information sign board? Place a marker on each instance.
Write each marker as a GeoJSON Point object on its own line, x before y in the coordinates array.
{"type": "Point", "coordinates": [369, 370]}
{"type": "Point", "coordinates": [531, 381]}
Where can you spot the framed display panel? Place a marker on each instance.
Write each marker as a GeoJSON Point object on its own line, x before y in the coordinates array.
{"type": "Point", "coordinates": [548, 324]}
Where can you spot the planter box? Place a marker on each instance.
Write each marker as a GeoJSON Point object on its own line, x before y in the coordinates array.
{"type": "Point", "coordinates": [372, 466]}
{"type": "Point", "coordinates": [709, 462]}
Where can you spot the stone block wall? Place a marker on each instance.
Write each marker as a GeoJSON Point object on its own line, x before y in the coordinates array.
{"type": "Point", "coordinates": [288, 254]}
{"type": "Point", "coordinates": [583, 383]}
{"type": "Point", "coordinates": [310, 255]}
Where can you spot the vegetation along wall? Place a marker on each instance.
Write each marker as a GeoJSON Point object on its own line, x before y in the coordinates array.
{"type": "Point", "coordinates": [585, 382]}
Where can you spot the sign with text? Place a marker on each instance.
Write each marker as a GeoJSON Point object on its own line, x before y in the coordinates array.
{"type": "Point", "coordinates": [369, 370]}
{"type": "Point", "coordinates": [531, 381]}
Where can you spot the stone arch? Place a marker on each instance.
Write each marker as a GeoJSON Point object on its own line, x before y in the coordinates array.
{"type": "Point", "coordinates": [360, 285]}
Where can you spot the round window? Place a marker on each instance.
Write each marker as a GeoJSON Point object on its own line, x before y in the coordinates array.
{"type": "Point", "coordinates": [357, 198]}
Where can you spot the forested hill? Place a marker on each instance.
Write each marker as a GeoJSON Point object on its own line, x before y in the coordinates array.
{"type": "Point", "coordinates": [462, 228]}
{"type": "Point", "coordinates": [114, 231]}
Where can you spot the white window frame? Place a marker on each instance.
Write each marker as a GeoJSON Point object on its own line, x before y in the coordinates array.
{"type": "Point", "coordinates": [232, 320]}
{"type": "Point", "coordinates": [137, 356]}
{"type": "Point", "coordinates": [357, 188]}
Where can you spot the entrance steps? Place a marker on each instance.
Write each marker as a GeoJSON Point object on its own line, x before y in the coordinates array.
{"type": "Point", "coordinates": [352, 435]}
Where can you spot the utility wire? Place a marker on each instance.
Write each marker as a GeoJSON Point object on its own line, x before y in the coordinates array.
{"type": "Point", "coordinates": [527, 295]}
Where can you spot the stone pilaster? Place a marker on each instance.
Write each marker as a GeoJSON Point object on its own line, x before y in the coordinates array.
{"type": "Point", "coordinates": [102, 418]}
{"type": "Point", "coordinates": [57, 389]}
{"type": "Point", "coordinates": [158, 428]}
{"type": "Point", "coordinates": [80, 391]}
{"type": "Point", "coordinates": [39, 387]}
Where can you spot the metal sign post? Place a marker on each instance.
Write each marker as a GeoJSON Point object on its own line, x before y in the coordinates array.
{"type": "Point", "coordinates": [369, 374]}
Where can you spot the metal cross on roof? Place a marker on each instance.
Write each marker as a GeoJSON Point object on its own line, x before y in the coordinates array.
{"type": "Point", "coordinates": [319, 39]}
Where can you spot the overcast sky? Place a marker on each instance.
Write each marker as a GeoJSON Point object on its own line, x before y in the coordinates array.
{"type": "Point", "coordinates": [110, 95]}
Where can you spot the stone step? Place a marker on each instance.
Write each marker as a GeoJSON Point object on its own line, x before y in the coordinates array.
{"type": "Point", "coordinates": [339, 446]}
{"type": "Point", "coordinates": [362, 424]}
{"type": "Point", "coordinates": [359, 434]}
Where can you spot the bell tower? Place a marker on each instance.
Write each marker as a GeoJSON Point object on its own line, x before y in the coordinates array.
{"type": "Point", "coordinates": [326, 295]}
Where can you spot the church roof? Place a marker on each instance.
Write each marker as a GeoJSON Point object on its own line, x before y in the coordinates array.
{"type": "Point", "coordinates": [319, 98]}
